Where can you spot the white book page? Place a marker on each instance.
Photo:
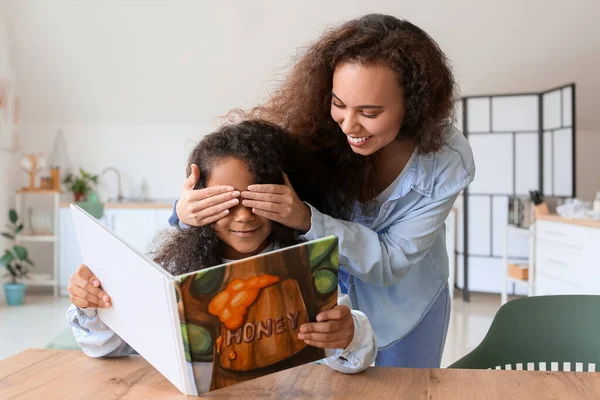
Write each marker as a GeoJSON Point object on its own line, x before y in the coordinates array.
{"type": "Point", "coordinates": [143, 312]}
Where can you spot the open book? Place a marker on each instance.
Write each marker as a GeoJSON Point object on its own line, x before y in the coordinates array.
{"type": "Point", "coordinates": [219, 326]}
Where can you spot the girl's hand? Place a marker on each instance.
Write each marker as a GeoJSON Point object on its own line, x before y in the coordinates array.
{"type": "Point", "coordinates": [85, 290]}
{"type": "Point", "coordinates": [204, 206]}
{"type": "Point", "coordinates": [334, 329]}
{"type": "Point", "coordinates": [279, 203]}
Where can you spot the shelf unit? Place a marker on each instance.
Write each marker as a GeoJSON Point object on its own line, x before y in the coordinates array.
{"type": "Point", "coordinates": [42, 238]}
{"type": "Point", "coordinates": [506, 260]}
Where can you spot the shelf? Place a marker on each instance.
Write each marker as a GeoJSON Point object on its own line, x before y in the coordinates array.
{"type": "Point", "coordinates": [36, 238]}
{"type": "Point", "coordinates": [39, 282]}
{"type": "Point", "coordinates": [49, 235]}
{"type": "Point", "coordinates": [38, 191]}
{"type": "Point", "coordinates": [515, 280]}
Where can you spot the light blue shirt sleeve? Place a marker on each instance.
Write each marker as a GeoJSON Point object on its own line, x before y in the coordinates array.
{"type": "Point", "coordinates": [384, 258]}
{"type": "Point", "coordinates": [174, 219]}
{"type": "Point", "coordinates": [94, 336]}
{"type": "Point", "coordinates": [361, 352]}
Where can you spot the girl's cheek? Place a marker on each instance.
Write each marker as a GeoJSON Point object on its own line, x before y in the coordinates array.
{"type": "Point", "coordinates": [267, 224]}
{"type": "Point", "coordinates": [220, 228]}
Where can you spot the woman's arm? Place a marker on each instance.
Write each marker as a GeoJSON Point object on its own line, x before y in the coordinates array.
{"type": "Point", "coordinates": [384, 258]}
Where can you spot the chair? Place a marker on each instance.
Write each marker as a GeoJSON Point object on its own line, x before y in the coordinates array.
{"type": "Point", "coordinates": [558, 333]}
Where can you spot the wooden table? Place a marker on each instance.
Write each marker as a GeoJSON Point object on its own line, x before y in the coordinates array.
{"type": "Point", "coordinates": [54, 374]}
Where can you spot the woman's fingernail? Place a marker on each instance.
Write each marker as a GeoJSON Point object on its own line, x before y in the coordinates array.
{"type": "Point", "coordinates": [236, 194]}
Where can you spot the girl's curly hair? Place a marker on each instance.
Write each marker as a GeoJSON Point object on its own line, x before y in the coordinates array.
{"type": "Point", "coordinates": [268, 151]}
{"type": "Point", "coordinates": [302, 103]}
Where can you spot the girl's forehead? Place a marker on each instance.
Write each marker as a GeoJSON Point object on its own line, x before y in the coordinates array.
{"type": "Point", "coordinates": [230, 171]}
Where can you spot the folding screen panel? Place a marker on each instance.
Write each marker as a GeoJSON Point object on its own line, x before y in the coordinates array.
{"type": "Point", "coordinates": [520, 142]}
{"type": "Point", "coordinates": [559, 142]}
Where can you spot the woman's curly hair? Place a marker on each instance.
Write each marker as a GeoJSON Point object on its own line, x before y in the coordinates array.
{"type": "Point", "coordinates": [302, 103]}
{"type": "Point", "coordinates": [268, 151]}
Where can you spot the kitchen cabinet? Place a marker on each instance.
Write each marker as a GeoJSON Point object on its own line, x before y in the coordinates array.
{"type": "Point", "coordinates": [567, 257]}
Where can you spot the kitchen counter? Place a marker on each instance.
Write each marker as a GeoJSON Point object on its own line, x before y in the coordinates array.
{"type": "Point", "coordinates": [590, 223]}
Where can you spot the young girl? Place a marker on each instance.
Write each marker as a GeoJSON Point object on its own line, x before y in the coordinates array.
{"type": "Point", "coordinates": [230, 157]}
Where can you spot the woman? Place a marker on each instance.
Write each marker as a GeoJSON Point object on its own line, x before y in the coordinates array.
{"type": "Point", "coordinates": [373, 99]}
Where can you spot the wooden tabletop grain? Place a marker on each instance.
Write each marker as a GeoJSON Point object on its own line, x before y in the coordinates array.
{"type": "Point", "coordinates": [57, 374]}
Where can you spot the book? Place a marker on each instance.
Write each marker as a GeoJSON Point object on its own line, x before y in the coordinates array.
{"type": "Point", "coordinates": [218, 326]}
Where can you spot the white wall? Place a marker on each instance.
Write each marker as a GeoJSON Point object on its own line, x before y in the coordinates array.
{"type": "Point", "coordinates": [587, 151]}
{"type": "Point", "coordinates": [7, 158]}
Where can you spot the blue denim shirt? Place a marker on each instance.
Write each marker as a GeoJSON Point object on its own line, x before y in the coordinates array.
{"type": "Point", "coordinates": [396, 261]}
{"type": "Point", "coordinates": [395, 264]}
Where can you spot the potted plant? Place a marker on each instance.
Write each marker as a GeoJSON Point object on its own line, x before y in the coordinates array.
{"type": "Point", "coordinates": [81, 185]}
{"type": "Point", "coordinates": [16, 261]}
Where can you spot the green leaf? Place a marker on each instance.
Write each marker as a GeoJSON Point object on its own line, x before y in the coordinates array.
{"type": "Point", "coordinates": [6, 258]}
{"type": "Point", "coordinates": [20, 252]}
{"type": "Point", "coordinates": [11, 271]}
{"type": "Point", "coordinates": [8, 235]}
{"type": "Point", "coordinates": [207, 281]}
{"type": "Point", "coordinates": [320, 250]}
{"type": "Point", "coordinates": [186, 344]}
{"type": "Point", "coordinates": [12, 215]}
{"type": "Point", "coordinates": [200, 340]}
{"type": "Point", "coordinates": [28, 261]}
{"type": "Point", "coordinates": [334, 258]}
{"type": "Point", "coordinates": [19, 229]}
{"type": "Point", "coordinates": [325, 281]}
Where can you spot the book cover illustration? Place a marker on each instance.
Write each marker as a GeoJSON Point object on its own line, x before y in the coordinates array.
{"type": "Point", "coordinates": [240, 321]}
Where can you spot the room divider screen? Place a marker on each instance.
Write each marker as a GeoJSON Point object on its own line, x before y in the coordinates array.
{"type": "Point", "coordinates": [521, 142]}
